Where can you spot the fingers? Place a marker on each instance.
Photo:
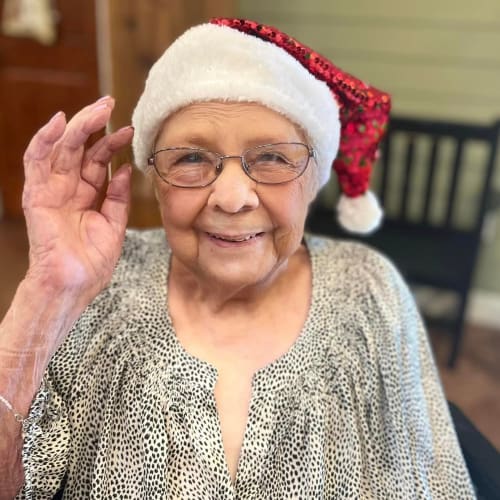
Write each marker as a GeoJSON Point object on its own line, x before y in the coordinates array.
{"type": "Point", "coordinates": [55, 147]}
{"type": "Point", "coordinates": [117, 202]}
{"type": "Point", "coordinates": [97, 158]}
{"type": "Point", "coordinates": [37, 156]}
{"type": "Point", "coordinates": [87, 121]}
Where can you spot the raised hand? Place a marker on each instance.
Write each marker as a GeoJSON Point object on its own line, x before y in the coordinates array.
{"type": "Point", "coordinates": [75, 245]}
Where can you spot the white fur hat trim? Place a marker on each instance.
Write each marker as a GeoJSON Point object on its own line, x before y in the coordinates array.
{"type": "Point", "coordinates": [361, 214]}
{"type": "Point", "coordinates": [210, 62]}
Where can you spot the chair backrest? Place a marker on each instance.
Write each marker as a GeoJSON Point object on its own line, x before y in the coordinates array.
{"type": "Point", "coordinates": [438, 174]}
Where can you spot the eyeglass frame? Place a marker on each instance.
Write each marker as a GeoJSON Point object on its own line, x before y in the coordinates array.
{"type": "Point", "coordinates": [220, 166]}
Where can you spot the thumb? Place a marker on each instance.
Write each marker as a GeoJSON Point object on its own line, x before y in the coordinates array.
{"type": "Point", "coordinates": [116, 204]}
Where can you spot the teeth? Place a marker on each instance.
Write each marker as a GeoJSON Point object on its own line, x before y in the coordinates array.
{"type": "Point", "coordinates": [236, 240]}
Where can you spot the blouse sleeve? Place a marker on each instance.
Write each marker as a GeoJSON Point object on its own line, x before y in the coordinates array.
{"type": "Point", "coordinates": [48, 442]}
{"type": "Point", "coordinates": [416, 418]}
{"type": "Point", "coordinates": [47, 436]}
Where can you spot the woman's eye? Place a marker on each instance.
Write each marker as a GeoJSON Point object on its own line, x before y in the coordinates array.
{"type": "Point", "coordinates": [271, 157]}
{"type": "Point", "coordinates": [192, 158]}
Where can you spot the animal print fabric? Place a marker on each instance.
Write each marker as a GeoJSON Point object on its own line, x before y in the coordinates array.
{"type": "Point", "coordinates": [353, 410]}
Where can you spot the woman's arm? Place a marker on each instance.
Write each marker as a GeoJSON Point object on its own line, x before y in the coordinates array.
{"type": "Point", "coordinates": [427, 432]}
{"type": "Point", "coordinates": [73, 250]}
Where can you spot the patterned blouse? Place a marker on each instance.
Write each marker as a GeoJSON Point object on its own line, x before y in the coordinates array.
{"type": "Point", "coordinates": [353, 410]}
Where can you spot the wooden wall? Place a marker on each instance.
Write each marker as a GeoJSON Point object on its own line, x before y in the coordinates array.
{"type": "Point", "coordinates": [36, 81]}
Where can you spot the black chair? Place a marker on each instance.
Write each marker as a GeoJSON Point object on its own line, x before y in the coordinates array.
{"type": "Point", "coordinates": [434, 181]}
{"type": "Point", "coordinates": [481, 457]}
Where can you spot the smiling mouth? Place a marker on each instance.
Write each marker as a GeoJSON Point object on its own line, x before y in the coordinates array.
{"type": "Point", "coordinates": [235, 239]}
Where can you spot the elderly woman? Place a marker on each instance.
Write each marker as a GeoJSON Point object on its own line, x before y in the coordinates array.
{"type": "Point", "coordinates": [228, 355]}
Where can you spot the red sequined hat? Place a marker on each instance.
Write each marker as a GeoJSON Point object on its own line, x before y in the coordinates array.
{"type": "Point", "coordinates": [364, 114]}
{"type": "Point", "coordinates": [240, 60]}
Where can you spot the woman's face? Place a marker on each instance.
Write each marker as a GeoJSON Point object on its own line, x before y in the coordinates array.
{"type": "Point", "coordinates": [234, 232]}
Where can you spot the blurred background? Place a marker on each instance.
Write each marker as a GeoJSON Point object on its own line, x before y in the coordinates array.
{"type": "Point", "coordinates": [440, 60]}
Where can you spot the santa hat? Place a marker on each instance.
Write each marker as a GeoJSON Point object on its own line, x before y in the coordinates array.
{"type": "Point", "coordinates": [243, 61]}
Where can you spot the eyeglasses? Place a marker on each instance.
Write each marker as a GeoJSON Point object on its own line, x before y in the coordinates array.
{"type": "Point", "coordinates": [267, 164]}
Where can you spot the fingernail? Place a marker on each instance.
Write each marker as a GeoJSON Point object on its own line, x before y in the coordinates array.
{"type": "Point", "coordinates": [101, 106]}
{"type": "Point", "coordinates": [56, 116]}
{"type": "Point", "coordinates": [128, 127]}
{"type": "Point", "coordinates": [103, 98]}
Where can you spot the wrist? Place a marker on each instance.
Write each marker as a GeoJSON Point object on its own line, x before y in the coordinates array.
{"type": "Point", "coordinates": [70, 297]}
{"type": "Point", "coordinates": [37, 321]}
{"type": "Point", "coordinates": [41, 280]}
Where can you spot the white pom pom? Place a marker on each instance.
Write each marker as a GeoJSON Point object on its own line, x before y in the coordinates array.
{"type": "Point", "coordinates": [361, 214]}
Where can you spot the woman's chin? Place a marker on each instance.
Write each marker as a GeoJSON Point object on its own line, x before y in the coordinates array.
{"type": "Point", "coordinates": [234, 276]}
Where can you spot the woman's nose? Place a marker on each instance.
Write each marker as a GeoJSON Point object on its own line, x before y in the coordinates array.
{"type": "Point", "coordinates": [233, 191]}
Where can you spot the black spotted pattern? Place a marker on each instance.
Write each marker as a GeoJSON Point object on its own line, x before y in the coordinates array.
{"type": "Point", "coordinates": [353, 410]}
